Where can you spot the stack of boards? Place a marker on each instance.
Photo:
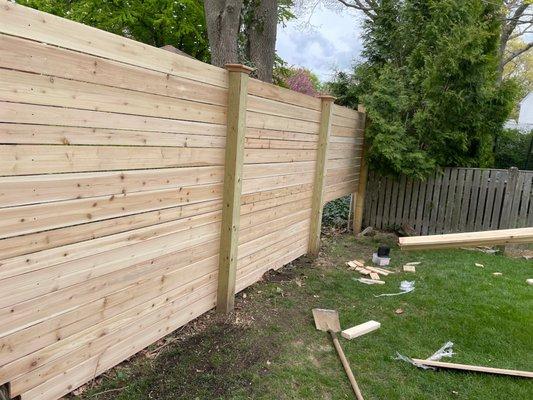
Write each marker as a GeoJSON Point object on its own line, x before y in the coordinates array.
{"type": "Point", "coordinates": [372, 272]}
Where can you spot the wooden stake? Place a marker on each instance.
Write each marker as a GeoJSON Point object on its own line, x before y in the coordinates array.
{"type": "Point", "coordinates": [318, 188]}
{"type": "Point", "coordinates": [229, 235]}
{"type": "Point", "coordinates": [359, 197]}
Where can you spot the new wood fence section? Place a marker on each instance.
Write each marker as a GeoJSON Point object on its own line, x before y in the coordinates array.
{"type": "Point", "coordinates": [112, 162]}
{"type": "Point", "coordinates": [455, 200]}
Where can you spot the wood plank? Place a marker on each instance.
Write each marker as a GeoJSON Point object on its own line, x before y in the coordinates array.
{"type": "Point", "coordinates": [459, 201]}
{"type": "Point", "coordinates": [273, 107]}
{"type": "Point", "coordinates": [466, 203]}
{"type": "Point", "coordinates": [37, 114]}
{"type": "Point", "coordinates": [469, 239]}
{"type": "Point", "coordinates": [23, 87]}
{"type": "Point", "coordinates": [26, 159]}
{"type": "Point", "coordinates": [472, 209]}
{"type": "Point", "coordinates": [418, 201]}
{"type": "Point", "coordinates": [435, 202]}
{"type": "Point", "coordinates": [474, 368]}
{"type": "Point", "coordinates": [319, 181]}
{"type": "Point", "coordinates": [32, 243]}
{"type": "Point", "coordinates": [360, 330]}
{"type": "Point", "coordinates": [38, 217]}
{"type": "Point", "coordinates": [257, 133]}
{"type": "Point", "coordinates": [428, 204]}
{"type": "Point", "coordinates": [31, 24]}
{"type": "Point", "coordinates": [448, 203]}
{"type": "Point", "coordinates": [231, 207]}
{"type": "Point", "coordinates": [265, 121]}
{"type": "Point", "coordinates": [526, 202]}
{"type": "Point", "coordinates": [516, 200]}
{"type": "Point", "coordinates": [283, 95]}
{"type": "Point", "coordinates": [31, 189]}
{"type": "Point", "coordinates": [498, 200]}
{"type": "Point", "coordinates": [26, 55]}
{"type": "Point", "coordinates": [260, 156]}
{"type": "Point", "coordinates": [481, 206]}
{"type": "Point", "coordinates": [59, 135]}
{"type": "Point", "coordinates": [489, 202]}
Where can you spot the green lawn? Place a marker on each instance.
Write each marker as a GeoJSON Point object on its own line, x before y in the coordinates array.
{"type": "Point", "coordinates": [270, 349]}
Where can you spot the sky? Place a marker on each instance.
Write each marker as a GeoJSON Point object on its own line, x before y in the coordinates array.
{"type": "Point", "coordinates": [330, 41]}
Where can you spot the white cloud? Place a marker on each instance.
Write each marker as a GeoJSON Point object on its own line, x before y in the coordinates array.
{"type": "Point", "coordinates": [329, 42]}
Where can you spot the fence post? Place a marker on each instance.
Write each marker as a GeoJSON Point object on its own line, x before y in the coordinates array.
{"type": "Point", "coordinates": [510, 190]}
{"type": "Point", "coordinates": [359, 197]}
{"type": "Point", "coordinates": [318, 187]}
{"type": "Point", "coordinates": [231, 200]}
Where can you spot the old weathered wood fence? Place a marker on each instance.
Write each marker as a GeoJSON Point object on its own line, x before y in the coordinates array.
{"type": "Point", "coordinates": [453, 200]}
{"type": "Point", "coordinates": [136, 187]}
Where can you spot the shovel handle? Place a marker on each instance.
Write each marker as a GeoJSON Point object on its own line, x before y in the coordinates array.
{"type": "Point", "coordinates": [346, 366]}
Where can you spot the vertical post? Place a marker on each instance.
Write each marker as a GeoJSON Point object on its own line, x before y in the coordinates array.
{"type": "Point", "coordinates": [359, 197]}
{"type": "Point", "coordinates": [231, 200]}
{"type": "Point", "coordinates": [510, 191]}
{"type": "Point", "coordinates": [318, 187]}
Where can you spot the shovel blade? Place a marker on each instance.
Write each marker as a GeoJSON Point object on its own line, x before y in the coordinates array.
{"type": "Point", "coordinates": [326, 320]}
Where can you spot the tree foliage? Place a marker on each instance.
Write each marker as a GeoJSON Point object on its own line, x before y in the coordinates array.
{"type": "Point", "coordinates": [430, 85]}
{"type": "Point", "coordinates": [511, 149]}
{"type": "Point", "coordinates": [154, 22]}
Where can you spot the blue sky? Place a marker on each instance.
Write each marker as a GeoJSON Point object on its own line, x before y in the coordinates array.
{"type": "Point", "coordinates": [330, 41]}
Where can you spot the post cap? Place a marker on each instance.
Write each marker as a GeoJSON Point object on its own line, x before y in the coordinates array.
{"type": "Point", "coordinates": [239, 68]}
{"type": "Point", "coordinates": [326, 97]}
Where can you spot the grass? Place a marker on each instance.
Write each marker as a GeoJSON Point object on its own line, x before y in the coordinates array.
{"type": "Point", "coordinates": [270, 350]}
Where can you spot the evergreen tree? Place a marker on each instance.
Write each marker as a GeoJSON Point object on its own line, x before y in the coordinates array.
{"type": "Point", "coordinates": [430, 85]}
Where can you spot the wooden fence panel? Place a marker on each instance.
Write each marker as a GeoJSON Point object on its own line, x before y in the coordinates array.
{"type": "Point", "coordinates": [112, 163]}
{"type": "Point", "coordinates": [454, 200]}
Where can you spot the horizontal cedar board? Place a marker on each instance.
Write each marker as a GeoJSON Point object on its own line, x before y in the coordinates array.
{"type": "Point", "coordinates": [283, 95]}
{"type": "Point", "coordinates": [346, 132]}
{"type": "Point", "coordinates": [115, 354]}
{"type": "Point", "coordinates": [31, 24]}
{"type": "Point", "coordinates": [16, 221]}
{"type": "Point", "coordinates": [146, 288]}
{"type": "Point", "coordinates": [37, 114]}
{"type": "Point", "coordinates": [265, 121]}
{"type": "Point", "coordinates": [333, 180]}
{"type": "Point", "coordinates": [62, 135]}
{"type": "Point", "coordinates": [21, 190]}
{"type": "Point", "coordinates": [253, 143]}
{"type": "Point", "coordinates": [256, 133]}
{"type": "Point", "coordinates": [26, 159]}
{"type": "Point", "coordinates": [348, 152]}
{"type": "Point", "coordinates": [342, 163]}
{"type": "Point", "coordinates": [30, 312]}
{"type": "Point", "coordinates": [345, 112]}
{"type": "Point", "coordinates": [262, 204]}
{"type": "Point", "coordinates": [275, 182]}
{"type": "Point", "coordinates": [26, 55]}
{"type": "Point", "coordinates": [257, 156]}
{"type": "Point", "coordinates": [273, 107]}
{"type": "Point", "coordinates": [22, 87]}
{"type": "Point", "coordinates": [51, 240]}
{"type": "Point", "coordinates": [339, 190]}
{"type": "Point", "coordinates": [274, 193]}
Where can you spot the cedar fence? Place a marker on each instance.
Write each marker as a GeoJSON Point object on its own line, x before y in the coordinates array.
{"type": "Point", "coordinates": [455, 200]}
{"type": "Point", "coordinates": [139, 188]}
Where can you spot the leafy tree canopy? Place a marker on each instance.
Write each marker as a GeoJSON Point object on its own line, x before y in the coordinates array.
{"type": "Point", "coordinates": [154, 22]}
{"type": "Point", "coordinates": [430, 85]}
{"type": "Point", "coordinates": [513, 148]}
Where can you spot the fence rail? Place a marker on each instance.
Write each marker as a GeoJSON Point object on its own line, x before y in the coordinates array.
{"type": "Point", "coordinates": [454, 200]}
{"type": "Point", "coordinates": [116, 161]}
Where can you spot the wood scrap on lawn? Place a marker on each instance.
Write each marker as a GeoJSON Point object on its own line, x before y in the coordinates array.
{"type": "Point", "coordinates": [360, 330]}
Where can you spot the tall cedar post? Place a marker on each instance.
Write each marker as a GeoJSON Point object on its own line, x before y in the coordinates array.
{"type": "Point", "coordinates": [231, 206]}
{"type": "Point", "coordinates": [359, 197]}
{"type": "Point", "coordinates": [318, 188]}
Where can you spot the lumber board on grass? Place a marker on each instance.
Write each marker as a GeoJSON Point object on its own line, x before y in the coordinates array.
{"type": "Point", "coordinates": [360, 330]}
{"type": "Point", "coordinates": [451, 240]}
{"type": "Point", "coordinates": [474, 368]}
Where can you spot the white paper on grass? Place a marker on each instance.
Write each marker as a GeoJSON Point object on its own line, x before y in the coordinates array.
{"type": "Point", "coordinates": [405, 287]}
{"type": "Point", "coordinates": [445, 351]}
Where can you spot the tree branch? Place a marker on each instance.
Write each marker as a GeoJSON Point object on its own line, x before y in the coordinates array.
{"type": "Point", "coordinates": [368, 9]}
{"type": "Point", "coordinates": [516, 53]}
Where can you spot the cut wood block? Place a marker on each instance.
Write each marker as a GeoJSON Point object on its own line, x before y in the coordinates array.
{"type": "Point", "coordinates": [409, 268]}
{"type": "Point", "coordinates": [529, 281]}
{"type": "Point", "coordinates": [414, 263]}
{"type": "Point", "coordinates": [360, 330]}
{"type": "Point", "coordinates": [378, 270]}
{"type": "Point", "coordinates": [370, 281]}
{"type": "Point", "coordinates": [359, 263]}
{"type": "Point", "coordinates": [374, 276]}
{"type": "Point", "coordinates": [475, 368]}
{"type": "Point", "coordinates": [363, 271]}
{"type": "Point", "coordinates": [352, 265]}
{"type": "Point", "coordinates": [479, 265]}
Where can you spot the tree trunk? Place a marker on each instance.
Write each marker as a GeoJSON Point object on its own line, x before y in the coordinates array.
{"type": "Point", "coordinates": [222, 17]}
{"type": "Point", "coordinates": [262, 38]}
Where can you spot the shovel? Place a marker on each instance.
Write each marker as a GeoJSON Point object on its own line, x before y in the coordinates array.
{"type": "Point", "coordinates": [328, 321]}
